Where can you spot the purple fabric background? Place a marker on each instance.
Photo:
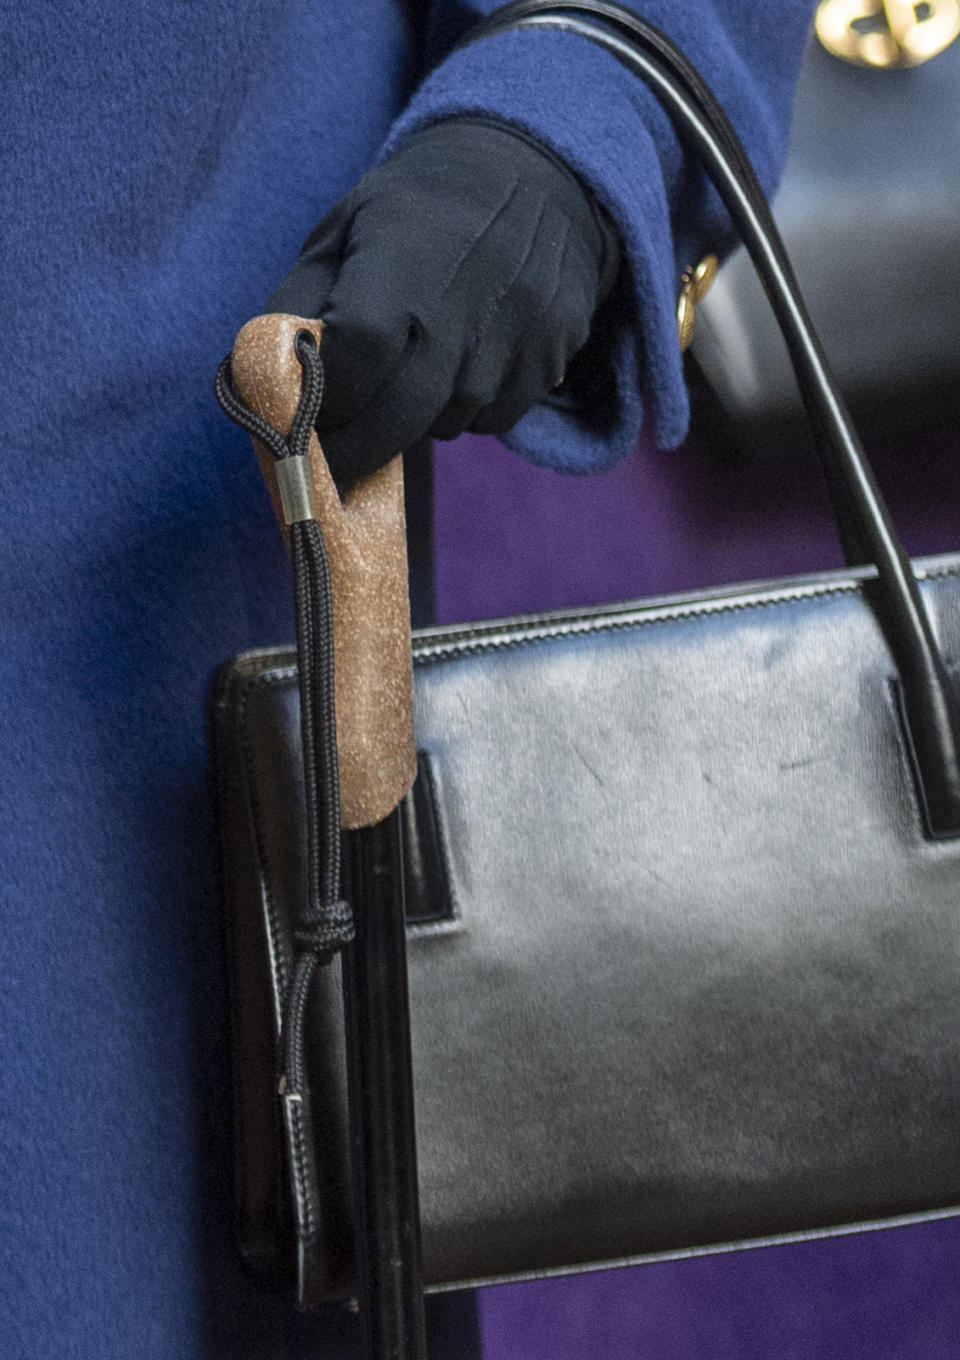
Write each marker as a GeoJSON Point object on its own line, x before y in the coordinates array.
{"type": "Point", "coordinates": [510, 538]}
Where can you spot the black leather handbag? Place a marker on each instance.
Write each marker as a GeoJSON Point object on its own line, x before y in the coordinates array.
{"type": "Point", "coordinates": [682, 888]}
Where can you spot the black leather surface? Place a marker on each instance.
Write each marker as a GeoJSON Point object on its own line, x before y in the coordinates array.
{"type": "Point", "coordinates": [428, 895]}
{"type": "Point", "coordinates": [701, 981]}
{"type": "Point", "coordinates": [869, 209]}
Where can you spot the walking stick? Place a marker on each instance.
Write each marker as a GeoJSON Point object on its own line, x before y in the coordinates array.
{"type": "Point", "coordinates": [353, 635]}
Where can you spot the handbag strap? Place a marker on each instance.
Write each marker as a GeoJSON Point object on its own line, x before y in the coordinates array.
{"type": "Point", "coordinates": [927, 695]}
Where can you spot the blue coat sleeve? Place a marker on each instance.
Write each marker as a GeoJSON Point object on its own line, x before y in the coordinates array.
{"type": "Point", "coordinates": [611, 129]}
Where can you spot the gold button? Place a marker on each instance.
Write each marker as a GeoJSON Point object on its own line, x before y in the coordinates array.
{"type": "Point", "coordinates": [887, 33]}
{"type": "Point", "coordinates": [695, 285]}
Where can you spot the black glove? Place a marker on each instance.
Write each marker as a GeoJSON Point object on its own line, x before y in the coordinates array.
{"type": "Point", "coordinates": [457, 280]}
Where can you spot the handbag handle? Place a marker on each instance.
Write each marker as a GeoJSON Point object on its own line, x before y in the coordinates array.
{"type": "Point", "coordinates": [928, 699]}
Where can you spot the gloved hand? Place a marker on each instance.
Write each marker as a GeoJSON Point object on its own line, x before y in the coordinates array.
{"type": "Point", "coordinates": [456, 281]}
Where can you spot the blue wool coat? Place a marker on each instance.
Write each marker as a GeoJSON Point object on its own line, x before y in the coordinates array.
{"type": "Point", "coordinates": [161, 164]}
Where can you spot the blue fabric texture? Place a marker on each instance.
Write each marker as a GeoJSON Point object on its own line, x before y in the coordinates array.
{"type": "Point", "coordinates": [159, 166]}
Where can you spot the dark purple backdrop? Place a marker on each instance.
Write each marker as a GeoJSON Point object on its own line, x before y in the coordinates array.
{"type": "Point", "coordinates": [512, 538]}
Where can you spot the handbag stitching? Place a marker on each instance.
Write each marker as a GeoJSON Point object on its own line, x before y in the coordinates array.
{"type": "Point", "coordinates": [579, 627]}
{"type": "Point", "coordinates": [427, 650]}
{"type": "Point", "coordinates": [232, 704]}
{"type": "Point", "coordinates": [280, 966]}
{"type": "Point", "coordinates": [301, 1163]}
{"type": "Point", "coordinates": [491, 638]}
{"type": "Point", "coordinates": [310, 1229]}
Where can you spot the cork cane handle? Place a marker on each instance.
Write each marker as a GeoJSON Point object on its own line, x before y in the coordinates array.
{"type": "Point", "coordinates": [365, 537]}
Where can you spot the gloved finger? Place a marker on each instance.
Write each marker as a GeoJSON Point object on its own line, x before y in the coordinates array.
{"type": "Point", "coordinates": [364, 355]}
{"type": "Point", "coordinates": [398, 415]}
{"type": "Point", "coordinates": [445, 270]}
{"type": "Point", "coordinates": [557, 335]}
{"type": "Point", "coordinates": [377, 371]}
{"type": "Point", "coordinates": [370, 334]}
{"type": "Point", "coordinates": [305, 289]}
{"type": "Point", "coordinates": [514, 348]}
{"type": "Point", "coordinates": [490, 269]}
{"type": "Point", "coordinates": [519, 390]}
{"type": "Point", "coordinates": [517, 395]}
{"type": "Point", "coordinates": [555, 327]}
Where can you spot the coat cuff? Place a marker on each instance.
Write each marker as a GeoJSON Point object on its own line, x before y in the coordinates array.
{"type": "Point", "coordinates": [611, 130]}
